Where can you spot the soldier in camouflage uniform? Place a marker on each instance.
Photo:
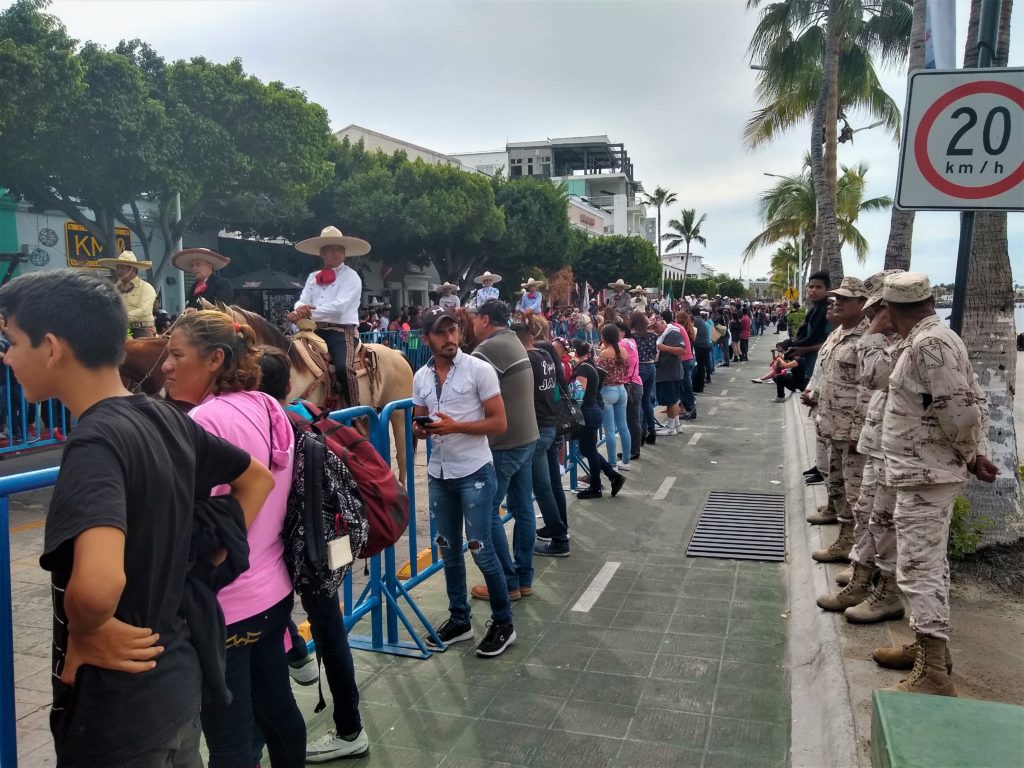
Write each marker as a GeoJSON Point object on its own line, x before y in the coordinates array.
{"type": "Point", "coordinates": [841, 406]}
{"type": "Point", "coordinates": [932, 438]}
{"type": "Point", "coordinates": [870, 592]}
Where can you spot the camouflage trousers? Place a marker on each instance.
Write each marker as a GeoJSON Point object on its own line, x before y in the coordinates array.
{"type": "Point", "coordinates": [821, 455]}
{"type": "Point", "coordinates": [874, 531]}
{"type": "Point", "coordinates": [922, 520]}
{"type": "Point", "coordinates": [845, 472]}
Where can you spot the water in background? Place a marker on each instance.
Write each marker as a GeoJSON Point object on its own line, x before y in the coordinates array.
{"type": "Point", "coordinates": [1018, 317]}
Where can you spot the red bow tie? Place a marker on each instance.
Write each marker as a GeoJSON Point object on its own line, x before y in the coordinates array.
{"type": "Point", "coordinates": [326, 277]}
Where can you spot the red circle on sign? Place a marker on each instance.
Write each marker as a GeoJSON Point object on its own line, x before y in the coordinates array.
{"type": "Point", "coordinates": [924, 163]}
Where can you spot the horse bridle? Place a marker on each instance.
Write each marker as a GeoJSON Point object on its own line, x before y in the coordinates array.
{"type": "Point", "coordinates": [159, 360]}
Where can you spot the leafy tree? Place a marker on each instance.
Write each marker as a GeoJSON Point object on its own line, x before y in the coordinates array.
{"type": "Point", "coordinates": [789, 212]}
{"type": "Point", "coordinates": [800, 44]}
{"type": "Point", "coordinates": [685, 230]}
{"type": "Point", "coordinates": [122, 125]}
{"type": "Point", "coordinates": [658, 198]}
{"type": "Point", "coordinates": [605, 259]}
{"type": "Point", "coordinates": [536, 226]}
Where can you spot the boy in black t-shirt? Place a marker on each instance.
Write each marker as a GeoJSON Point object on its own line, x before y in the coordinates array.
{"type": "Point", "coordinates": [126, 679]}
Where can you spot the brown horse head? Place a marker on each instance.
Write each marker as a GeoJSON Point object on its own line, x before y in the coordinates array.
{"type": "Point", "coordinates": [140, 369]}
{"type": "Point", "coordinates": [465, 319]}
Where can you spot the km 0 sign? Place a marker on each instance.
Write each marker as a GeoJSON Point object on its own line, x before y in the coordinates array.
{"type": "Point", "coordinates": [963, 141]}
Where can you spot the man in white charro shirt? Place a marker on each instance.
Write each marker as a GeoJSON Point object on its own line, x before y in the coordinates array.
{"type": "Point", "coordinates": [331, 299]}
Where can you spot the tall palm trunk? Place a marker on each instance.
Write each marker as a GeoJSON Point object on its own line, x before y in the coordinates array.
{"type": "Point", "coordinates": [901, 222]}
{"type": "Point", "coordinates": [823, 162]}
{"type": "Point", "coordinates": [686, 268]}
{"type": "Point", "coordinates": [989, 335]}
{"type": "Point", "coordinates": [661, 262]}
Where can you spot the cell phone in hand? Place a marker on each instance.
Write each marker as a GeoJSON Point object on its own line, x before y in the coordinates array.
{"type": "Point", "coordinates": [423, 420]}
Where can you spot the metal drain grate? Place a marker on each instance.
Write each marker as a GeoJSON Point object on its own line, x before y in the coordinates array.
{"type": "Point", "coordinates": [741, 526]}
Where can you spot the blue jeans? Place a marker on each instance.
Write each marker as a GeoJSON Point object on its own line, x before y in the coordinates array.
{"type": "Point", "coordinates": [468, 498]}
{"type": "Point", "coordinates": [689, 401]}
{"type": "Point", "coordinates": [615, 422]}
{"type": "Point", "coordinates": [647, 374]}
{"type": "Point", "coordinates": [547, 486]}
{"type": "Point", "coordinates": [514, 468]}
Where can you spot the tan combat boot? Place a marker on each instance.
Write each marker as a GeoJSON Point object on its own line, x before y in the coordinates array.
{"type": "Point", "coordinates": [844, 576]}
{"type": "Point", "coordinates": [826, 515]}
{"type": "Point", "coordinates": [858, 590]}
{"type": "Point", "coordinates": [929, 674]}
{"type": "Point", "coordinates": [839, 550]}
{"type": "Point", "coordinates": [903, 657]}
{"type": "Point", "coordinates": [885, 602]}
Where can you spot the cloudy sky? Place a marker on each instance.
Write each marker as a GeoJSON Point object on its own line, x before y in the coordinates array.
{"type": "Point", "coordinates": [668, 79]}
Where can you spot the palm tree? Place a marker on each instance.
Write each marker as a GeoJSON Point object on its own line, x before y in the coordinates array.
{"type": "Point", "coordinates": [686, 230]}
{"type": "Point", "coordinates": [789, 211]}
{"type": "Point", "coordinates": [787, 267]}
{"type": "Point", "coordinates": [988, 334]}
{"type": "Point", "coordinates": [816, 59]}
{"type": "Point", "coordinates": [660, 197]}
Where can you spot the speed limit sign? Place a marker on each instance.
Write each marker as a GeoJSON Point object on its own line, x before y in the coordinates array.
{"type": "Point", "coordinates": [963, 141]}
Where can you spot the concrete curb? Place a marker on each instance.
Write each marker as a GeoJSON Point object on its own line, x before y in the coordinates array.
{"type": "Point", "coordinates": [823, 727]}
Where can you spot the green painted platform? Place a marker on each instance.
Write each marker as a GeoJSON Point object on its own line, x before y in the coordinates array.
{"type": "Point", "coordinates": [916, 731]}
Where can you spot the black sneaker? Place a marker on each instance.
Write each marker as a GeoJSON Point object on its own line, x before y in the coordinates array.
{"type": "Point", "coordinates": [812, 471]}
{"type": "Point", "coordinates": [815, 479]}
{"type": "Point", "coordinates": [617, 483]}
{"type": "Point", "coordinates": [550, 549]}
{"type": "Point", "coordinates": [590, 493]}
{"type": "Point", "coordinates": [450, 632]}
{"type": "Point", "coordinates": [542, 534]}
{"type": "Point", "coordinates": [500, 635]}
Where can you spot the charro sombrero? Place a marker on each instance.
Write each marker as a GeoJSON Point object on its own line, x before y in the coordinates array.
{"type": "Point", "coordinates": [353, 246]}
{"type": "Point", "coordinates": [183, 259]}
{"type": "Point", "coordinates": [532, 283]}
{"type": "Point", "coordinates": [619, 284]}
{"type": "Point", "coordinates": [487, 276]}
{"type": "Point", "coordinates": [639, 289]}
{"type": "Point", "coordinates": [450, 286]}
{"type": "Point", "coordinates": [126, 259]}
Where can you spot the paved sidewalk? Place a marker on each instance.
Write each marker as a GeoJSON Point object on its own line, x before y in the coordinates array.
{"type": "Point", "coordinates": [679, 662]}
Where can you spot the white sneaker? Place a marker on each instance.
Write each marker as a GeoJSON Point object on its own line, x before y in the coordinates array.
{"type": "Point", "coordinates": [623, 467]}
{"type": "Point", "coordinates": [307, 672]}
{"type": "Point", "coordinates": [665, 431]}
{"type": "Point", "coordinates": [331, 747]}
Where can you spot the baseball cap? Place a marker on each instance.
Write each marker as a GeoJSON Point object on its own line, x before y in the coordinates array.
{"type": "Point", "coordinates": [435, 316]}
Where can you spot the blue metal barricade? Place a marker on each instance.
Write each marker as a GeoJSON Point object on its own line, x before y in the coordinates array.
{"type": "Point", "coordinates": [408, 343]}
{"type": "Point", "coordinates": [28, 425]}
{"type": "Point", "coordinates": [28, 481]}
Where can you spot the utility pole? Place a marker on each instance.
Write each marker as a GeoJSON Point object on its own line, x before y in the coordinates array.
{"type": "Point", "coordinates": [988, 32]}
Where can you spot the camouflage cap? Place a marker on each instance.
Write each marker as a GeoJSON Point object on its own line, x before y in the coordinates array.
{"type": "Point", "coordinates": [906, 288]}
{"type": "Point", "coordinates": [851, 288]}
{"type": "Point", "coordinates": [874, 285]}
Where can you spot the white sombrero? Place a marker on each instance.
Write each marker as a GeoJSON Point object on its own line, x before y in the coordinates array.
{"type": "Point", "coordinates": [353, 246]}
{"type": "Point", "coordinates": [533, 283]}
{"type": "Point", "coordinates": [619, 284]}
{"type": "Point", "coordinates": [126, 259]}
{"type": "Point", "coordinates": [183, 259]}
{"type": "Point", "coordinates": [487, 276]}
{"type": "Point", "coordinates": [451, 286]}
{"type": "Point", "coordinates": [639, 289]}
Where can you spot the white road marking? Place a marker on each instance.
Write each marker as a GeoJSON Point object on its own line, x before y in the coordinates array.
{"type": "Point", "coordinates": [695, 438]}
{"type": "Point", "coordinates": [597, 586]}
{"type": "Point", "coordinates": [732, 379]}
{"type": "Point", "coordinates": [724, 392]}
{"type": "Point", "coordinates": [664, 488]}
{"type": "Point", "coordinates": [713, 411]}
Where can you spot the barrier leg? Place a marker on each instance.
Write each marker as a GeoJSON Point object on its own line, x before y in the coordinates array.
{"type": "Point", "coordinates": [8, 745]}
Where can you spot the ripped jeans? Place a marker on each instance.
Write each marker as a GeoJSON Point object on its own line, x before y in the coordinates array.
{"type": "Point", "coordinates": [468, 498]}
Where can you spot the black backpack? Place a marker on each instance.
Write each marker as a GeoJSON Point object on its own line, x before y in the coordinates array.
{"type": "Point", "coordinates": [323, 505]}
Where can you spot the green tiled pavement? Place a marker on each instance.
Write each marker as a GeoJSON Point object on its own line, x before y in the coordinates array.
{"type": "Point", "coordinates": [679, 662]}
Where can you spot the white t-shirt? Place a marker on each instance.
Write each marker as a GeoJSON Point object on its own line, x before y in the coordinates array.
{"type": "Point", "coordinates": [470, 383]}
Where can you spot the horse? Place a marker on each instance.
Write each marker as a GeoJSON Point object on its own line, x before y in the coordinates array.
{"type": "Point", "coordinates": [384, 374]}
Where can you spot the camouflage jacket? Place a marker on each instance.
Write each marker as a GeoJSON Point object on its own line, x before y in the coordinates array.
{"type": "Point", "coordinates": [935, 415]}
{"type": "Point", "coordinates": [876, 353]}
{"type": "Point", "coordinates": [842, 400]}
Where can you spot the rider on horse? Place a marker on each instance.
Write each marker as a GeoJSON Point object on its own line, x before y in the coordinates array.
{"type": "Point", "coordinates": [331, 299]}
{"type": "Point", "coordinates": [138, 295]}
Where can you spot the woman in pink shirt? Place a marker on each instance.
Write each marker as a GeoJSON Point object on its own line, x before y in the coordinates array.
{"type": "Point", "coordinates": [634, 389]}
{"type": "Point", "coordinates": [213, 363]}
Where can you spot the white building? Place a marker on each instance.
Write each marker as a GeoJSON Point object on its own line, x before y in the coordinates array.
{"type": "Point", "coordinates": [592, 168]}
{"type": "Point", "coordinates": [389, 145]}
{"type": "Point", "coordinates": [674, 264]}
